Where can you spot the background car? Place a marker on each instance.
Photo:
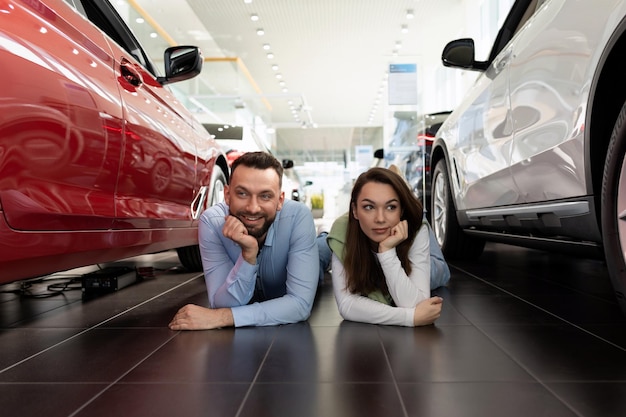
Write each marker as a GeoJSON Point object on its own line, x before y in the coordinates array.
{"type": "Point", "coordinates": [417, 166]}
{"type": "Point", "coordinates": [98, 159]}
{"type": "Point", "coordinates": [237, 140]}
{"type": "Point", "coordinates": [534, 153]}
{"type": "Point", "coordinates": [410, 150]}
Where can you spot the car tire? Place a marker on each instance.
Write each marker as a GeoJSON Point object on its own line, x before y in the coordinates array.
{"type": "Point", "coordinates": [613, 207]}
{"type": "Point", "coordinates": [189, 256]}
{"type": "Point", "coordinates": [454, 242]}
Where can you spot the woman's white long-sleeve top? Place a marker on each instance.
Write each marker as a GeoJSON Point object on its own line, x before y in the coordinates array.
{"type": "Point", "coordinates": [406, 291]}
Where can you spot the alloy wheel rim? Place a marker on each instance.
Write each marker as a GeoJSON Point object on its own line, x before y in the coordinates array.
{"type": "Point", "coordinates": [218, 193]}
{"type": "Point", "coordinates": [439, 211]}
{"type": "Point", "coordinates": [621, 209]}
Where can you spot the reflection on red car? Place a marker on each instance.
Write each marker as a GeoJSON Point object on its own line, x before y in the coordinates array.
{"type": "Point", "coordinates": [98, 159]}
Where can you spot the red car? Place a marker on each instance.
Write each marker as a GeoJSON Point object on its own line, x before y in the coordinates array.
{"type": "Point", "coordinates": [98, 159]}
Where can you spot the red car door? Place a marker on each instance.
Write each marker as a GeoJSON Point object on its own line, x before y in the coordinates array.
{"type": "Point", "coordinates": [60, 120]}
{"type": "Point", "coordinates": [157, 175]}
{"type": "Point", "coordinates": [158, 170]}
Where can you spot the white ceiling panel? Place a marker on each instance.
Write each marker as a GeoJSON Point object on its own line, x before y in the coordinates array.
{"type": "Point", "coordinates": [333, 55]}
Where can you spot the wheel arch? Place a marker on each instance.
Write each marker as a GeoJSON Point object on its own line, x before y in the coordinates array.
{"type": "Point", "coordinates": [223, 164]}
{"type": "Point", "coordinates": [607, 96]}
{"type": "Point", "coordinates": [439, 152]}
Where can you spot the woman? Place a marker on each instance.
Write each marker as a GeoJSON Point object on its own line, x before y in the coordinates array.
{"type": "Point", "coordinates": [381, 271]}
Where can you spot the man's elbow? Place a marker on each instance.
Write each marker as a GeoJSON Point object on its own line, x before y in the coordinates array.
{"type": "Point", "coordinates": [304, 313]}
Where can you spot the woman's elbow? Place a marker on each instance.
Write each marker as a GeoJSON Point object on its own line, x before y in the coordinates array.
{"type": "Point", "coordinates": [345, 310]}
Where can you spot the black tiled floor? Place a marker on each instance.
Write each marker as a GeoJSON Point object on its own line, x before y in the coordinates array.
{"type": "Point", "coordinates": [523, 333]}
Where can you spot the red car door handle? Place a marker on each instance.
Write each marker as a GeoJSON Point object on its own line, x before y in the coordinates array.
{"type": "Point", "coordinates": [129, 74]}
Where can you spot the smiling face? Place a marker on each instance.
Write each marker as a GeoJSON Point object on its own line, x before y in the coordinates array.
{"type": "Point", "coordinates": [377, 209]}
{"type": "Point", "coordinates": [254, 197]}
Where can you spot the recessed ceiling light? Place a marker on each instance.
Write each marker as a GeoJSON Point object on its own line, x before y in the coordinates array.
{"type": "Point", "coordinates": [247, 1]}
{"type": "Point", "coordinates": [275, 67]}
{"type": "Point", "coordinates": [404, 29]}
{"type": "Point", "coordinates": [254, 17]}
{"type": "Point", "coordinates": [260, 32]}
{"type": "Point", "coordinates": [266, 46]}
{"type": "Point", "coordinates": [409, 14]}
{"type": "Point", "coordinates": [270, 56]}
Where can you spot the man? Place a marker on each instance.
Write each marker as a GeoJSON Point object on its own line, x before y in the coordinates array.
{"type": "Point", "coordinates": [259, 253]}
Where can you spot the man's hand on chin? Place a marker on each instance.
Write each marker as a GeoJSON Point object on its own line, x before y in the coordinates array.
{"type": "Point", "coordinates": [194, 317]}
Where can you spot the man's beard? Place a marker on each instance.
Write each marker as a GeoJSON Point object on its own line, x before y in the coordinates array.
{"type": "Point", "coordinates": [256, 232]}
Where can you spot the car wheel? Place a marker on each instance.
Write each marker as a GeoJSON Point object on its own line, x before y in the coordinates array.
{"type": "Point", "coordinates": [455, 244]}
{"type": "Point", "coordinates": [219, 182]}
{"type": "Point", "coordinates": [613, 209]}
{"type": "Point", "coordinates": [189, 256]}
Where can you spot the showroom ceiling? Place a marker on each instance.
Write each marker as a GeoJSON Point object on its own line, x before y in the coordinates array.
{"type": "Point", "coordinates": [332, 56]}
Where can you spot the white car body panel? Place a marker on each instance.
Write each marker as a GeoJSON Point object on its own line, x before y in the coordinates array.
{"type": "Point", "coordinates": [519, 135]}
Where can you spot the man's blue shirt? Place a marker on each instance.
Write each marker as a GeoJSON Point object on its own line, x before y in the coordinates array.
{"type": "Point", "coordinates": [284, 280]}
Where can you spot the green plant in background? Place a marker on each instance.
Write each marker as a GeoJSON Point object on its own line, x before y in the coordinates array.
{"type": "Point", "coordinates": [317, 201]}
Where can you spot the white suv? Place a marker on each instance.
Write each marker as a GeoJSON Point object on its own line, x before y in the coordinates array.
{"type": "Point", "coordinates": [534, 153]}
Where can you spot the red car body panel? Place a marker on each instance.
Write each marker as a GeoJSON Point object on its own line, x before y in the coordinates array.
{"type": "Point", "coordinates": [98, 160]}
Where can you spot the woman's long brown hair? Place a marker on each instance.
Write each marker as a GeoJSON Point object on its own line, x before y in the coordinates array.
{"type": "Point", "coordinates": [363, 272]}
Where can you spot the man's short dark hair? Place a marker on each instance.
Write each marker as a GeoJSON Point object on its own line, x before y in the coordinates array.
{"type": "Point", "coordinates": [259, 160]}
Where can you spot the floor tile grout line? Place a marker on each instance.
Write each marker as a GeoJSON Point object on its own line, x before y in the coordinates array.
{"type": "Point", "coordinates": [393, 376]}
{"type": "Point", "coordinates": [538, 380]}
{"type": "Point", "coordinates": [256, 376]}
{"type": "Point", "coordinates": [578, 291]}
{"type": "Point", "coordinates": [529, 372]}
{"type": "Point", "coordinates": [93, 398]}
{"type": "Point", "coordinates": [17, 324]}
{"type": "Point", "coordinates": [543, 310]}
{"type": "Point", "coordinates": [34, 355]}
{"type": "Point", "coordinates": [568, 287]}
